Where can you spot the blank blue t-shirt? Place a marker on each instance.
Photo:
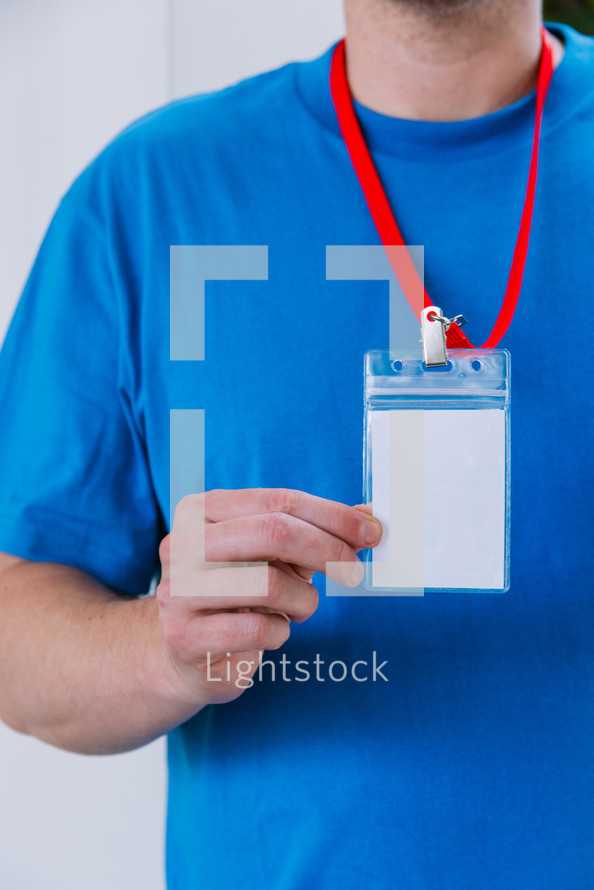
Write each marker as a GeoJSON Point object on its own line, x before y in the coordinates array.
{"type": "Point", "coordinates": [471, 765]}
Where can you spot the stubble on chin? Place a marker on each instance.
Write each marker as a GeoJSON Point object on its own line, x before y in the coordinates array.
{"type": "Point", "coordinates": [443, 7]}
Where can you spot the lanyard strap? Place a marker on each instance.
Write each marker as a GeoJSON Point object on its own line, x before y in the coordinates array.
{"type": "Point", "coordinates": [385, 221]}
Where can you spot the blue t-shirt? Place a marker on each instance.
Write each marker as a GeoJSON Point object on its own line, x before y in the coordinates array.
{"type": "Point", "coordinates": [471, 766]}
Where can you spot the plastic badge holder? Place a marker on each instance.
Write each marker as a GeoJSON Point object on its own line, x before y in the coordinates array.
{"type": "Point", "coordinates": [437, 471]}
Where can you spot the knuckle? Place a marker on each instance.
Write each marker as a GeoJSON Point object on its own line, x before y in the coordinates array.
{"type": "Point", "coordinates": [175, 634]}
{"type": "Point", "coordinates": [282, 500]}
{"type": "Point", "coordinates": [277, 528]}
{"type": "Point", "coordinates": [187, 508]}
{"type": "Point", "coordinates": [165, 550]}
{"type": "Point", "coordinates": [257, 628]}
{"type": "Point", "coordinates": [191, 501]}
{"type": "Point", "coordinates": [212, 497]}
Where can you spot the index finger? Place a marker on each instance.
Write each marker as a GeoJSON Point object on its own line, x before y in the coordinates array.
{"type": "Point", "coordinates": [351, 525]}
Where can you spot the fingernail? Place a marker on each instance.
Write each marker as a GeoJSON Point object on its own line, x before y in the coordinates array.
{"type": "Point", "coordinates": [371, 532]}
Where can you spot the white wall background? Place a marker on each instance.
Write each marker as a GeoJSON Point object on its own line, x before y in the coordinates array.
{"type": "Point", "coordinates": [72, 73]}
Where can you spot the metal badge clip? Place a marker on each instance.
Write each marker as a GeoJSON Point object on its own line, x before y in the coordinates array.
{"type": "Point", "coordinates": [434, 327]}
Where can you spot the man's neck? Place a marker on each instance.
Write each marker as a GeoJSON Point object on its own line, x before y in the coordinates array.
{"type": "Point", "coordinates": [442, 66]}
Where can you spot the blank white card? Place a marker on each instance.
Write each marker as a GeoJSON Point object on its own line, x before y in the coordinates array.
{"type": "Point", "coordinates": [438, 488]}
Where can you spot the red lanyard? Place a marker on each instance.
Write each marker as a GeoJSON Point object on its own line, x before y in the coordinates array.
{"type": "Point", "coordinates": [385, 221]}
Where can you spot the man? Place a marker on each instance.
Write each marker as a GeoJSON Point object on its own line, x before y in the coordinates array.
{"type": "Point", "coordinates": [458, 752]}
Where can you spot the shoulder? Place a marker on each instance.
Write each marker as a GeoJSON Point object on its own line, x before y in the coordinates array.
{"type": "Point", "coordinates": [220, 114]}
{"type": "Point", "coordinates": [577, 52]}
{"type": "Point", "coordinates": [192, 132]}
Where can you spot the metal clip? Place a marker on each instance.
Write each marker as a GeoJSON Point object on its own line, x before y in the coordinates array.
{"type": "Point", "coordinates": [458, 319]}
{"type": "Point", "coordinates": [434, 327]}
{"type": "Point", "coordinates": [433, 337]}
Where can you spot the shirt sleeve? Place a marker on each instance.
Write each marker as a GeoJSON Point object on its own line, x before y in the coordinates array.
{"type": "Point", "coordinates": [75, 485]}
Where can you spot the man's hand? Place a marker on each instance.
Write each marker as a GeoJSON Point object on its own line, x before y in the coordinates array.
{"type": "Point", "coordinates": [92, 671]}
{"type": "Point", "coordinates": [213, 615]}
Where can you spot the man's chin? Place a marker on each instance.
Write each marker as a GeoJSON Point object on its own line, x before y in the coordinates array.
{"type": "Point", "coordinates": [444, 7]}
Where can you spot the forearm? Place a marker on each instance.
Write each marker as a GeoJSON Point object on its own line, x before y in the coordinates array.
{"type": "Point", "coordinates": [81, 667]}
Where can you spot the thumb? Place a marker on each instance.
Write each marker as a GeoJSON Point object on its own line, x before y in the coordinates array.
{"type": "Point", "coordinates": [368, 508]}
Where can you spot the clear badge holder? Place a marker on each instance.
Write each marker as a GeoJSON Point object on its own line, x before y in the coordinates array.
{"type": "Point", "coordinates": [437, 470]}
